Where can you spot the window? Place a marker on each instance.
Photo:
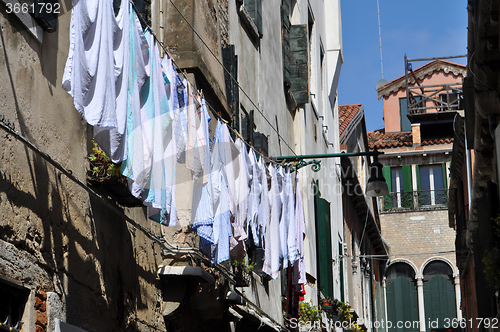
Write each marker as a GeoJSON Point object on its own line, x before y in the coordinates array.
{"type": "Point", "coordinates": [323, 243]}
{"type": "Point", "coordinates": [399, 182]}
{"type": "Point", "coordinates": [450, 101]}
{"type": "Point", "coordinates": [403, 114]}
{"type": "Point", "coordinates": [251, 13]}
{"type": "Point", "coordinates": [433, 185]}
{"type": "Point", "coordinates": [14, 297]}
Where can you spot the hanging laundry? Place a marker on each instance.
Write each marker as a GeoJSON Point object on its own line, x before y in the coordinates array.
{"type": "Point", "coordinates": [197, 140]}
{"type": "Point", "coordinates": [220, 194]}
{"type": "Point", "coordinates": [202, 213]}
{"type": "Point", "coordinates": [112, 140]}
{"type": "Point", "coordinates": [254, 197]}
{"type": "Point", "coordinates": [293, 252]}
{"type": "Point", "coordinates": [154, 129]}
{"type": "Point", "coordinates": [242, 191]}
{"type": "Point", "coordinates": [284, 217]}
{"type": "Point", "coordinates": [300, 231]}
{"type": "Point", "coordinates": [182, 127]}
{"type": "Point", "coordinates": [231, 165]}
{"type": "Point", "coordinates": [134, 164]}
{"type": "Point", "coordinates": [90, 73]}
{"type": "Point", "coordinates": [240, 227]}
{"type": "Point", "coordinates": [264, 214]}
{"type": "Point", "coordinates": [177, 97]}
{"type": "Point", "coordinates": [272, 238]}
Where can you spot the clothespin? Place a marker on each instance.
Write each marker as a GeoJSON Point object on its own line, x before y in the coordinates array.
{"type": "Point", "coordinates": [237, 133]}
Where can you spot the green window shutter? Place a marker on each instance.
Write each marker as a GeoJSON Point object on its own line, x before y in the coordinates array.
{"type": "Point", "coordinates": [407, 187]}
{"type": "Point", "coordinates": [439, 300]}
{"type": "Point", "coordinates": [419, 185]}
{"type": "Point", "coordinates": [323, 244]}
{"type": "Point", "coordinates": [230, 61]}
{"type": "Point", "coordinates": [341, 252]}
{"type": "Point", "coordinates": [299, 70]}
{"type": "Point", "coordinates": [254, 9]}
{"type": "Point", "coordinates": [402, 304]}
{"type": "Point", "coordinates": [386, 170]}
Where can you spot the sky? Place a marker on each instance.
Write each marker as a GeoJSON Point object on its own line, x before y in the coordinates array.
{"type": "Point", "coordinates": [419, 29]}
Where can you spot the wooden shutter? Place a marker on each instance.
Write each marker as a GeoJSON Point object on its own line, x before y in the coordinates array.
{"type": "Point", "coordinates": [323, 244]}
{"type": "Point", "coordinates": [230, 60]}
{"type": "Point", "coordinates": [299, 69]}
{"type": "Point", "coordinates": [402, 304]}
{"type": "Point", "coordinates": [386, 170]}
{"type": "Point", "coordinates": [419, 185]}
{"type": "Point", "coordinates": [254, 9]}
{"type": "Point", "coordinates": [439, 300]}
{"type": "Point", "coordinates": [285, 42]}
{"type": "Point", "coordinates": [46, 15]}
{"type": "Point", "coordinates": [407, 187]}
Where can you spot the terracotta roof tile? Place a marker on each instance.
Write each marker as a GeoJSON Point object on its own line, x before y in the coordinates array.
{"type": "Point", "coordinates": [438, 141]}
{"type": "Point", "coordinates": [381, 139]}
{"type": "Point", "coordinates": [346, 114]}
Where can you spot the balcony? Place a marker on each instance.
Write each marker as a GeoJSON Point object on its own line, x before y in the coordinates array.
{"type": "Point", "coordinates": [419, 200]}
{"type": "Point", "coordinates": [434, 98]}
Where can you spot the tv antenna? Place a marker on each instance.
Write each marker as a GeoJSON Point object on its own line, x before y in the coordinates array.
{"type": "Point", "coordinates": [381, 81]}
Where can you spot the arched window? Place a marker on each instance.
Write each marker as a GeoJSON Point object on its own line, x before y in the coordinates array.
{"type": "Point", "coordinates": [400, 270]}
{"type": "Point", "coordinates": [438, 268]}
{"type": "Point", "coordinates": [402, 299]}
{"type": "Point", "coordinates": [439, 293]}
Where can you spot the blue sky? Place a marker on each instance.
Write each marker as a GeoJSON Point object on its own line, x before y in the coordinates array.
{"type": "Point", "coordinates": [421, 29]}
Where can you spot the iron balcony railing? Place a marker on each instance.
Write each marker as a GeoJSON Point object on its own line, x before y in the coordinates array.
{"type": "Point", "coordinates": [414, 200]}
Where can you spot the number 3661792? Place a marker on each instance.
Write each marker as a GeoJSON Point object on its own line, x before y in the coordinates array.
{"type": "Point", "coordinates": [33, 8]}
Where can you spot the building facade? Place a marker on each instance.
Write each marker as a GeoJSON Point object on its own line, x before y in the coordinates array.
{"type": "Point", "coordinates": [365, 252]}
{"type": "Point", "coordinates": [475, 208]}
{"type": "Point", "coordinates": [77, 253]}
{"type": "Point", "coordinates": [422, 279]}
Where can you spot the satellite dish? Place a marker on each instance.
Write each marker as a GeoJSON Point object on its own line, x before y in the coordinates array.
{"type": "Point", "coordinates": [380, 82]}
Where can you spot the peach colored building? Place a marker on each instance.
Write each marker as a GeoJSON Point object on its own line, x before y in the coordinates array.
{"type": "Point", "coordinates": [422, 283]}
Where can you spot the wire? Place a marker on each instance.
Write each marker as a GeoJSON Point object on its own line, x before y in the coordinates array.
{"type": "Point", "coordinates": [384, 257]}
{"type": "Point", "coordinates": [229, 73]}
{"type": "Point", "coordinates": [9, 128]}
{"type": "Point", "coordinates": [198, 93]}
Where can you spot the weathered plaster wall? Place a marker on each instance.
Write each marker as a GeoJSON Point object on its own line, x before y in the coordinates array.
{"type": "Point", "coordinates": [82, 262]}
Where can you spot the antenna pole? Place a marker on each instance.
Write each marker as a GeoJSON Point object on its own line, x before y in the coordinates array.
{"type": "Point", "coordinates": [380, 41]}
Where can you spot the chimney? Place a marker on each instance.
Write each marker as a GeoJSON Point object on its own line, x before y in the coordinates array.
{"type": "Point", "coordinates": [415, 133]}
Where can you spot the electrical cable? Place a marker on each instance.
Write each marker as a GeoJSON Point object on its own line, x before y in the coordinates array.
{"type": "Point", "coordinates": [111, 205]}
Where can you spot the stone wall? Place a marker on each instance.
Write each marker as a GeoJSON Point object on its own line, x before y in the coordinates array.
{"type": "Point", "coordinates": [418, 236]}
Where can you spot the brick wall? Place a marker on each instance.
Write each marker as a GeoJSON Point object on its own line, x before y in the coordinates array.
{"type": "Point", "coordinates": [413, 235]}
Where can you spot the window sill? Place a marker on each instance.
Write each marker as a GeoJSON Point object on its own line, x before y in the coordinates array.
{"type": "Point", "coordinates": [27, 20]}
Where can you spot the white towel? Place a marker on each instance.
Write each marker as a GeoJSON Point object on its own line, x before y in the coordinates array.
{"type": "Point", "coordinates": [300, 231]}
{"type": "Point", "coordinates": [90, 73]}
{"type": "Point", "coordinates": [112, 140]}
{"type": "Point", "coordinates": [272, 238]}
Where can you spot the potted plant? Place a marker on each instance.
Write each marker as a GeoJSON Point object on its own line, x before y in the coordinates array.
{"type": "Point", "coordinates": [242, 270]}
{"type": "Point", "coordinates": [104, 175]}
{"type": "Point", "coordinates": [326, 301]}
{"type": "Point", "coordinates": [309, 315]}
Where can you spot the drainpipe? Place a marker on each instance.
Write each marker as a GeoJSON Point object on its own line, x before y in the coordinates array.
{"type": "Point", "coordinates": [384, 285]}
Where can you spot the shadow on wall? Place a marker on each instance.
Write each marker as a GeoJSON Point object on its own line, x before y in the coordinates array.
{"type": "Point", "coordinates": [90, 255]}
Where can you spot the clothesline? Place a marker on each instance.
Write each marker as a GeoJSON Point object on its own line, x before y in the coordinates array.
{"type": "Point", "coordinates": [158, 120]}
{"type": "Point", "coordinates": [216, 58]}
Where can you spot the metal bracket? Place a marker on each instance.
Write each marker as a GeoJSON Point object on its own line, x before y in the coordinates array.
{"type": "Point", "coordinates": [316, 165]}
